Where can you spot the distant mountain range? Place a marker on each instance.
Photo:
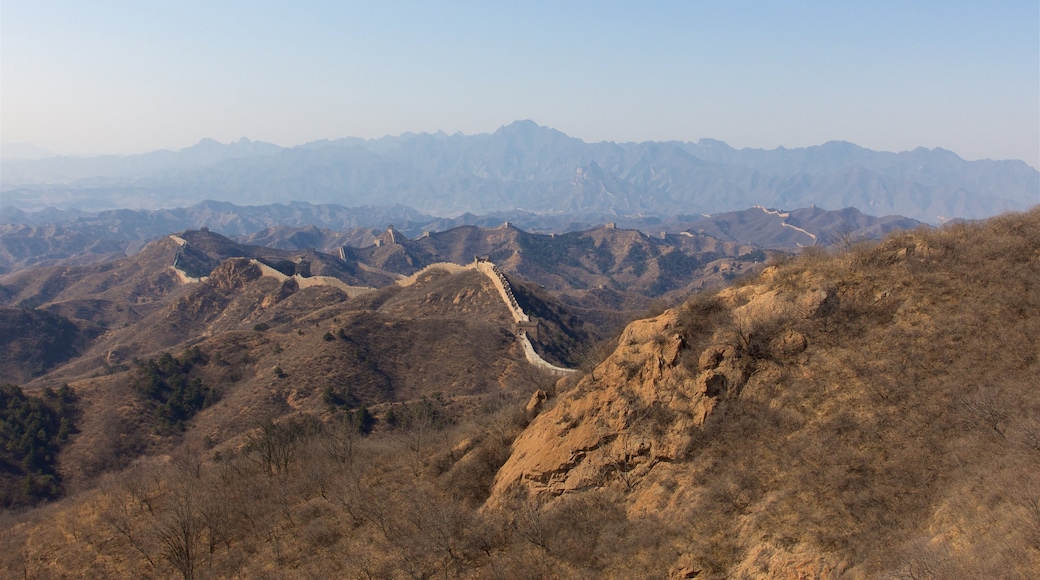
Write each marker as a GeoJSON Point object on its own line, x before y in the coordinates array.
{"type": "Point", "coordinates": [527, 167]}
{"type": "Point", "coordinates": [52, 236]}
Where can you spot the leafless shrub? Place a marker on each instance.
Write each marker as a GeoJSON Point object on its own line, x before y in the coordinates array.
{"type": "Point", "coordinates": [924, 560]}
{"type": "Point", "coordinates": [699, 316]}
{"type": "Point", "coordinates": [273, 445]}
{"type": "Point", "coordinates": [597, 353]}
{"type": "Point", "coordinates": [1031, 519]}
{"type": "Point", "coordinates": [843, 237]}
{"type": "Point", "coordinates": [161, 514]}
{"type": "Point", "coordinates": [471, 479]}
{"type": "Point", "coordinates": [989, 410]}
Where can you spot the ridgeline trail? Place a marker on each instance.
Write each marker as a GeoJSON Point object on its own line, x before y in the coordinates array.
{"type": "Point", "coordinates": [486, 267]}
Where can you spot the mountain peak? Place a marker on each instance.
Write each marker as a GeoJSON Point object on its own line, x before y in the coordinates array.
{"type": "Point", "coordinates": [523, 124]}
{"type": "Point", "coordinates": [527, 127]}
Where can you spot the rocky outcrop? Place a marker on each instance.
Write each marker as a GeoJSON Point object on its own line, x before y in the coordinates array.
{"type": "Point", "coordinates": [234, 274]}
{"type": "Point", "coordinates": [634, 412]}
{"type": "Point", "coordinates": [638, 411]}
{"type": "Point", "coordinates": [634, 427]}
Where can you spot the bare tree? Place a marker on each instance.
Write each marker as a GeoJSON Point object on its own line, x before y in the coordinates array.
{"type": "Point", "coordinates": [181, 529]}
{"type": "Point", "coordinates": [843, 236]}
{"type": "Point", "coordinates": [273, 445]}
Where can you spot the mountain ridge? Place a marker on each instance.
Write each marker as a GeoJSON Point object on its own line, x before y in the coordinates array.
{"type": "Point", "coordinates": [78, 237]}
{"type": "Point", "coordinates": [534, 168]}
{"type": "Point", "coordinates": [866, 411]}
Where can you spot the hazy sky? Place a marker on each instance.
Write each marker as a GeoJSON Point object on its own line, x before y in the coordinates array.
{"type": "Point", "coordinates": [131, 76]}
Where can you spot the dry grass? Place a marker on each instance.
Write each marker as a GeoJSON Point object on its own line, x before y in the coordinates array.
{"type": "Point", "coordinates": [918, 389]}
{"type": "Point", "coordinates": [903, 442]}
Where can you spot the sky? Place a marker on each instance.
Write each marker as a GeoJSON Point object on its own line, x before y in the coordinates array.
{"type": "Point", "coordinates": [127, 77]}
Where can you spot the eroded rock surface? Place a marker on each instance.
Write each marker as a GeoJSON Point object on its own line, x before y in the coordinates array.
{"type": "Point", "coordinates": [635, 411]}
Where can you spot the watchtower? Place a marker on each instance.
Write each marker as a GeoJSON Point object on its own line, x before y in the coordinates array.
{"type": "Point", "coordinates": [530, 328]}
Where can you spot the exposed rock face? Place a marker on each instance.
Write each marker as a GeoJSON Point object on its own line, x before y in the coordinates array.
{"type": "Point", "coordinates": [534, 405]}
{"type": "Point", "coordinates": [633, 425]}
{"type": "Point", "coordinates": [234, 274]}
{"type": "Point", "coordinates": [640, 407]}
{"type": "Point", "coordinates": [635, 411]}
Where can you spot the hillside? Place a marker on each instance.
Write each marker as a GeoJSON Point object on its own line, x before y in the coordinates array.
{"type": "Point", "coordinates": [184, 288]}
{"type": "Point", "coordinates": [870, 413]}
{"type": "Point", "coordinates": [866, 414]}
{"type": "Point", "coordinates": [627, 262]}
{"type": "Point", "coordinates": [34, 341]}
{"type": "Point", "coordinates": [203, 361]}
{"type": "Point", "coordinates": [790, 230]}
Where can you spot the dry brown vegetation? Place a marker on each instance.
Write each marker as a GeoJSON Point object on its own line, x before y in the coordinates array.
{"type": "Point", "coordinates": [298, 498]}
{"type": "Point", "coordinates": [898, 440]}
{"type": "Point", "coordinates": [869, 413]}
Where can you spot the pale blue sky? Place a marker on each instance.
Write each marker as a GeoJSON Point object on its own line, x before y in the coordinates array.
{"type": "Point", "coordinates": [131, 76]}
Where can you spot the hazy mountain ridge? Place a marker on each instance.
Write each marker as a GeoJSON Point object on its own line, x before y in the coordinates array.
{"type": "Point", "coordinates": [533, 168]}
{"type": "Point", "coordinates": [798, 228]}
{"type": "Point", "coordinates": [68, 169]}
{"type": "Point", "coordinates": [54, 236]}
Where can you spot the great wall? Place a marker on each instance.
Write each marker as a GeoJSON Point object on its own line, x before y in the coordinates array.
{"type": "Point", "coordinates": [783, 223]}
{"type": "Point", "coordinates": [521, 319]}
{"type": "Point", "coordinates": [523, 322]}
{"type": "Point", "coordinates": [309, 281]}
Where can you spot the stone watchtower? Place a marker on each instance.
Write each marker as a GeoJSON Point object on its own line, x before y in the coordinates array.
{"type": "Point", "coordinates": [302, 267]}
{"type": "Point", "coordinates": [530, 328]}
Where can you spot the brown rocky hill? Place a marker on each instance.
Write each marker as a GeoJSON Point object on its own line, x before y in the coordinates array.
{"type": "Point", "coordinates": [196, 284]}
{"type": "Point", "coordinates": [864, 414]}
{"type": "Point", "coordinates": [870, 413]}
{"type": "Point", "coordinates": [138, 281]}
{"type": "Point", "coordinates": [272, 351]}
{"type": "Point", "coordinates": [607, 274]}
{"type": "Point", "coordinates": [151, 274]}
{"type": "Point", "coordinates": [447, 333]}
{"type": "Point", "coordinates": [269, 349]}
{"type": "Point", "coordinates": [136, 305]}
{"type": "Point", "coordinates": [861, 415]}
